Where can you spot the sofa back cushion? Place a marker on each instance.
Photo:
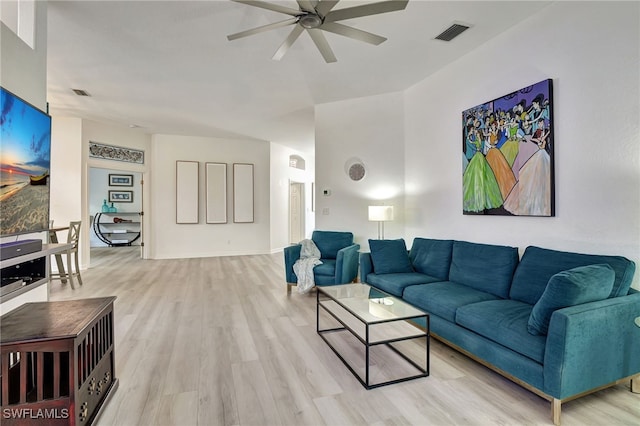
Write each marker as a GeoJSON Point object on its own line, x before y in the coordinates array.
{"type": "Point", "coordinates": [538, 265]}
{"type": "Point", "coordinates": [484, 267]}
{"type": "Point", "coordinates": [569, 288]}
{"type": "Point", "coordinates": [329, 242]}
{"type": "Point", "coordinates": [389, 256]}
{"type": "Point", "coordinates": [432, 257]}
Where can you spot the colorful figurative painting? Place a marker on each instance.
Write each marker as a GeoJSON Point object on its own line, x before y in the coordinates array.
{"type": "Point", "coordinates": [507, 146]}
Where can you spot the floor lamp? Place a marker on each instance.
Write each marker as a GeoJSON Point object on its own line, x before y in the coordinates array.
{"type": "Point", "coordinates": [380, 214]}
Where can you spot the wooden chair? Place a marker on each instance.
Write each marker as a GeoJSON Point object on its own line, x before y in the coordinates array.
{"type": "Point", "coordinates": [72, 237]}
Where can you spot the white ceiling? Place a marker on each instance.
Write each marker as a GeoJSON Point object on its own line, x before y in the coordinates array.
{"type": "Point", "coordinates": [167, 66]}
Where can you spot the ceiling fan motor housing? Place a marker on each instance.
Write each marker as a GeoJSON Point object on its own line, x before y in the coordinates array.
{"type": "Point", "coordinates": [310, 21]}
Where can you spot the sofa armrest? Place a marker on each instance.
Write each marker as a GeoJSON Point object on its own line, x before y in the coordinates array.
{"type": "Point", "coordinates": [592, 345]}
{"type": "Point", "coordinates": [366, 266]}
{"type": "Point", "coordinates": [347, 264]}
{"type": "Point", "coordinates": [291, 254]}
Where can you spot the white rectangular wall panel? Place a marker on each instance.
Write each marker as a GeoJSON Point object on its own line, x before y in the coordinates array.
{"type": "Point", "coordinates": [187, 191]}
{"type": "Point", "coordinates": [243, 193]}
{"type": "Point", "coordinates": [216, 178]}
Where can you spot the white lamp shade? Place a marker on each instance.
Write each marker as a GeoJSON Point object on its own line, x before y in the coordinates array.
{"type": "Point", "coordinates": [380, 213]}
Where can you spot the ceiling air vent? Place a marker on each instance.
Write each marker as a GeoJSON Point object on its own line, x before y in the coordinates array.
{"type": "Point", "coordinates": [81, 92]}
{"type": "Point", "coordinates": [452, 32]}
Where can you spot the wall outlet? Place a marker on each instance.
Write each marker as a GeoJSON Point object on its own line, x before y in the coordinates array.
{"type": "Point", "coordinates": [325, 211]}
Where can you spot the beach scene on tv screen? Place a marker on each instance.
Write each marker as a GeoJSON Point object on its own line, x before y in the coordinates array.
{"type": "Point", "coordinates": [25, 157]}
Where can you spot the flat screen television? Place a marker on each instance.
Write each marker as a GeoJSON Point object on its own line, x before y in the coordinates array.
{"type": "Point", "coordinates": [25, 159]}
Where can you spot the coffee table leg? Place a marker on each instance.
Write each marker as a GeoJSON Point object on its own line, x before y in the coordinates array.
{"type": "Point", "coordinates": [367, 359]}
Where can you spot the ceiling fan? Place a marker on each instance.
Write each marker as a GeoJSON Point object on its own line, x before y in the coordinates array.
{"type": "Point", "coordinates": [317, 16]}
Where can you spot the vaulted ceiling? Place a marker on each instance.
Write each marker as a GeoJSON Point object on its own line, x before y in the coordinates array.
{"type": "Point", "coordinates": [167, 66]}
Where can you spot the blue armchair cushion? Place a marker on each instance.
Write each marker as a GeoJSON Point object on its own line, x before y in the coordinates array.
{"type": "Point", "coordinates": [390, 256]}
{"type": "Point", "coordinates": [330, 242]}
{"type": "Point", "coordinates": [328, 268]}
{"type": "Point", "coordinates": [485, 267]}
{"type": "Point", "coordinates": [568, 288]}
{"type": "Point", "coordinates": [538, 265]}
{"type": "Point", "coordinates": [431, 257]}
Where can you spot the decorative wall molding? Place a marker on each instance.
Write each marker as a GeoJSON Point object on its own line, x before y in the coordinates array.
{"type": "Point", "coordinates": [116, 153]}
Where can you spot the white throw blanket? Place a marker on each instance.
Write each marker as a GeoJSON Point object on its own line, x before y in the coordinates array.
{"type": "Point", "coordinates": [303, 268]}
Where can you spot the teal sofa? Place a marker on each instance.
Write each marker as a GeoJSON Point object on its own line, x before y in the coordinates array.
{"type": "Point", "coordinates": [339, 256]}
{"type": "Point", "coordinates": [560, 324]}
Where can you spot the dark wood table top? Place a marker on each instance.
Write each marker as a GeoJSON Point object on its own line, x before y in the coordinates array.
{"type": "Point", "coordinates": [50, 320]}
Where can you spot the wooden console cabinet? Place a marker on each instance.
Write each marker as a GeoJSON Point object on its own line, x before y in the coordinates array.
{"type": "Point", "coordinates": [57, 362]}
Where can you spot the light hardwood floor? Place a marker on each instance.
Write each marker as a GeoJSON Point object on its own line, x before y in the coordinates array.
{"type": "Point", "coordinates": [217, 341]}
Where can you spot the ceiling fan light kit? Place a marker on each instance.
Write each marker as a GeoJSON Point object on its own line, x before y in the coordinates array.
{"type": "Point", "coordinates": [318, 16]}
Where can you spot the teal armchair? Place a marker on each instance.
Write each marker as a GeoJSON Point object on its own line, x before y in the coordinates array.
{"type": "Point", "coordinates": [339, 256]}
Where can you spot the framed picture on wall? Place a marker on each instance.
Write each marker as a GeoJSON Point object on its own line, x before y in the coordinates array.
{"type": "Point", "coordinates": [121, 196]}
{"type": "Point", "coordinates": [243, 193]}
{"type": "Point", "coordinates": [187, 190]}
{"type": "Point", "coordinates": [120, 180]}
{"type": "Point", "coordinates": [216, 191]}
{"type": "Point", "coordinates": [507, 154]}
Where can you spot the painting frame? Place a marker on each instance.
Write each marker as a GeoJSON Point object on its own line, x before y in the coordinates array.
{"type": "Point", "coordinates": [116, 179]}
{"type": "Point", "coordinates": [508, 154]}
{"type": "Point", "coordinates": [243, 193]}
{"type": "Point", "coordinates": [216, 192]}
{"type": "Point", "coordinates": [118, 196]}
{"type": "Point", "coordinates": [187, 192]}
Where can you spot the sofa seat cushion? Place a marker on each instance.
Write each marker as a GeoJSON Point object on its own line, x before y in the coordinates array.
{"type": "Point", "coordinates": [444, 298]}
{"type": "Point", "coordinates": [327, 268]}
{"type": "Point", "coordinates": [504, 322]}
{"type": "Point", "coordinates": [389, 256]}
{"type": "Point", "coordinates": [396, 283]}
{"type": "Point", "coordinates": [538, 265]}
{"type": "Point", "coordinates": [431, 257]}
{"type": "Point", "coordinates": [569, 288]}
{"type": "Point", "coordinates": [485, 267]}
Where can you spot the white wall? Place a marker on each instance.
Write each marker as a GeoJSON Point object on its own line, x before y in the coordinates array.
{"type": "Point", "coordinates": [66, 169]}
{"type": "Point", "coordinates": [281, 176]}
{"type": "Point", "coordinates": [590, 50]}
{"type": "Point", "coordinates": [70, 164]}
{"type": "Point", "coordinates": [72, 187]}
{"type": "Point", "coordinates": [370, 129]}
{"type": "Point", "coordinates": [173, 240]}
{"type": "Point", "coordinates": [23, 70]}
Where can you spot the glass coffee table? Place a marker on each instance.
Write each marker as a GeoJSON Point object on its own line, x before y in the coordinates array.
{"type": "Point", "coordinates": [357, 318]}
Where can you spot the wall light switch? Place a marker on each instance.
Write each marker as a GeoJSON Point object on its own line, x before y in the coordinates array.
{"type": "Point", "coordinates": [326, 192]}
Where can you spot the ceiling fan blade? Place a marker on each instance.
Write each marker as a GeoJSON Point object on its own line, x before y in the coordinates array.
{"type": "Point", "coordinates": [270, 6]}
{"type": "Point", "coordinates": [263, 28]}
{"type": "Point", "coordinates": [284, 47]}
{"type": "Point", "coordinates": [306, 5]}
{"type": "Point", "coordinates": [354, 33]}
{"type": "Point", "coordinates": [322, 45]}
{"type": "Point", "coordinates": [366, 10]}
{"type": "Point", "coordinates": [325, 6]}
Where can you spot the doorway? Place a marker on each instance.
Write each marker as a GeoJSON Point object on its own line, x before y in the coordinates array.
{"type": "Point", "coordinates": [122, 191]}
{"type": "Point", "coordinates": [296, 212]}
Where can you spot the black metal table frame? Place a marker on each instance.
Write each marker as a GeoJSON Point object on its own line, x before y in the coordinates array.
{"type": "Point", "coordinates": [424, 372]}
